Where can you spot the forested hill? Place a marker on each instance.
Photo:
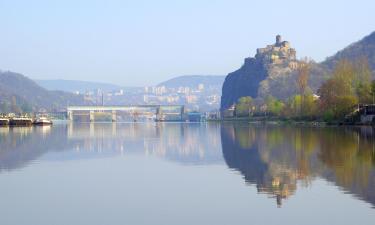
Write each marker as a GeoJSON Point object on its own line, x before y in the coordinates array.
{"type": "Point", "coordinates": [194, 81]}
{"type": "Point", "coordinates": [19, 92]}
{"type": "Point", "coordinates": [76, 85]}
{"type": "Point", "coordinates": [362, 48]}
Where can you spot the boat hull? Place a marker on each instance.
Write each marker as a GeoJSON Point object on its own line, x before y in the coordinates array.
{"type": "Point", "coordinates": [21, 122]}
{"type": "Point", "coordinates": [42, 123]}
{"type": "Point", "coordinates": [4, 122]}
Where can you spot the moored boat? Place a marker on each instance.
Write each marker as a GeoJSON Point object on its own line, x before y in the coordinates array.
{"type": "Point", "coordinates": [43, 121]}
{"type": "Point", "coordinates": [20, 121]}
{"type": "Point", "coordinates": [4, 121]}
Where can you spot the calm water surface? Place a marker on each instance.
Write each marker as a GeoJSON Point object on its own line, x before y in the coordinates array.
{"type": "Point", "coordinates": [172, 173]}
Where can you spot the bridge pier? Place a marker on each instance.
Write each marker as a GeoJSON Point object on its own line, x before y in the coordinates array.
{"type": "Point", "coordinates": [114, 117]}
{"type": "Point", "coordinates": [158, 113]}
{"type": "Point", "coordinates": [70, 115]}
{"type": "Point", "coordinates": [92, 116]}
{"type": "Point", "coordinates": [182, 113]}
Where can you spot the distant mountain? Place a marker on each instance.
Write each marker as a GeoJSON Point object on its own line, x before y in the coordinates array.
{"type": "Point", "coordinates": [194, 81]}
{"type": "Point", "coordinates": [76, 85]}
{"type": "Point", "coordinates": [364, 47]}
{"type": "Point", "coordinates": [16, 89]}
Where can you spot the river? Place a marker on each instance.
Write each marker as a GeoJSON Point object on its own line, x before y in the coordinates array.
{"type": "Point", "coordinates": [186, 173]}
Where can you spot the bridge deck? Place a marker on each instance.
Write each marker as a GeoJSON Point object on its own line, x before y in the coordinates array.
{"type": "Point", "coordinates": [123, 108]}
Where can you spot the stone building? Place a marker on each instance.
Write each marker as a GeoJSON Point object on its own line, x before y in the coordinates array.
{"type": "Point", "coordinates": [279, 53]}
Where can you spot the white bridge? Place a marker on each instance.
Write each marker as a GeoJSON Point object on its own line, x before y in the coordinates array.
{"type": "Point", "coordinates": [157, 112]}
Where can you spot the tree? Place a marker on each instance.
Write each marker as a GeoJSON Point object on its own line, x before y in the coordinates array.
{"type": "Point", "coordinates": [293, 106]}
{"type": "Point", "coordinates": [362, 80]}
{"type": "Point", "coordinates": [373, 91]}
{"type": "Point", "coordinates": [4, 107]}
{"type": "Point", "coordinates": [309, 105]}
{"type": "Point", "coordinates": [338, 94]}
{"type": "Point", "coordinates": [14, 107]}
{"type": "Point", "coordinates": [244, 106]}
{"type": "Point", "coordinates": [302, 82]}
{"type": "Point", "coordinates": [274, 106]}
{"type": "Point", "coordinates": [26, 108]}
{"type": "Point", "coordinates": [303, 77]}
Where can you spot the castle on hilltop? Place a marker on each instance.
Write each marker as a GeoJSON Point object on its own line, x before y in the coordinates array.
{"type": "Point", "coordinates": [279, 53]}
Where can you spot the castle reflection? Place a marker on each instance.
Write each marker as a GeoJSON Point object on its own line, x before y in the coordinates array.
{"type": "Point", "coordinates": [278, 159]}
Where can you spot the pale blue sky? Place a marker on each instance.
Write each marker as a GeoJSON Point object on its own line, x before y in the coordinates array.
{"type": "Point", "coordinates": [145, 42]}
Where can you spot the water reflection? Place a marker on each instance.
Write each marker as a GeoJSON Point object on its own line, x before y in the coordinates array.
{"type": "Point", "coordinates": [276, 159]}
{"type": "Point", "coordinates": [20, 145]}
{"type": "Point", "coordinates": [184, 143]}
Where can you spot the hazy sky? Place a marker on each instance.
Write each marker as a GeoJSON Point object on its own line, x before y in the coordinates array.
{"type": "Point", "coordinates": [144, 42]}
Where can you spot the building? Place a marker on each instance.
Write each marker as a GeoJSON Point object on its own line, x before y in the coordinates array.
{"type": "Point", "coordinates": [279, 53]}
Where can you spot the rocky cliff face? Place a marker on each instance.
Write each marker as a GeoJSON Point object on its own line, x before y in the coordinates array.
{"type": "Point", "coordinates": [273, 70]}
{"type": "Point", "coordinates": [243, 82]}
{"type": "Point", "coordinates": [270, 72]}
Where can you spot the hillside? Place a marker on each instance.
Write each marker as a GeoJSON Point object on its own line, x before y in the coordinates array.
{"type": "Point", "coordinates": [193, 81]}
{"type": "Point", "coordinates": [362, 48]}
{"type": "Point", "coordinates": [26, 93]}
{"type": "Point", "coordinates": [273, 72]}
{"type": "Point", "coordinates": [76, 85]}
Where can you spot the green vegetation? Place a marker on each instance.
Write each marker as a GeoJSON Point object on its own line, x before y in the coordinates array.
{"type": "Point", "coordinates": [244, 106]}
{"type": "Point", "coordinates": [15, 105]}
{"type": "Point", "coordinates": [19, 94]}
{"type": "Point", "coordinates": [349, 84]}
{"type": "Point", "coordinates": [345, 156]}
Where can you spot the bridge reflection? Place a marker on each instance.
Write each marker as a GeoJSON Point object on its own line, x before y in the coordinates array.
{"type": "Point", "coordinates": [184, 143]}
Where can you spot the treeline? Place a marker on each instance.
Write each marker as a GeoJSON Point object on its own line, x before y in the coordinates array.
{"type": "Point", "coordinates": [349, 85]}
{"type": "Point", "coordinates": [15, 105]}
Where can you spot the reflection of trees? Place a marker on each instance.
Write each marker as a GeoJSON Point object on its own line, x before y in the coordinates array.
{"type": "Point", "coordinates": [22, 145]}
{"type": "Point", "coordinates": [276, 158]}
{"type": "Point", "coordinates": [350, 158]}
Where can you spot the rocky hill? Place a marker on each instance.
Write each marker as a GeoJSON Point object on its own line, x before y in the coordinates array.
{"type": "Point", "coordinates": [19, 90]}
{"type": "Point", "coordinates": [272, 71]}
{"type": "Point", "coordinates": [76, 85]}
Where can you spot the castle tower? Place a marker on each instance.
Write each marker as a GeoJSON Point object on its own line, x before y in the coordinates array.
{"type": "Point", "coordinates": [278, 40]}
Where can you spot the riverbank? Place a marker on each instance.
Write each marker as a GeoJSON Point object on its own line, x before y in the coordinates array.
{"type": "Point", "coordinates": [24, 121]}
{"type": "Point", "coordinates": [284, 121]}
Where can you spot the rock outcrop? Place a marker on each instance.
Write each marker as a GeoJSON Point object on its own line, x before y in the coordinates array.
{"type": "Point", "coordinates": [270, 72]}
{"type": "Point", "coordinates": [273, 70]}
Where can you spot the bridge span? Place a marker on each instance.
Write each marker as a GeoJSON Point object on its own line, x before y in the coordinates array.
{"type": "Point", "coordinates": [156, 112]}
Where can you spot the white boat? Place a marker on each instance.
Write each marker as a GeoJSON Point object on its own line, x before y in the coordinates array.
{"type": "Point", "coordinates": [42, 121]}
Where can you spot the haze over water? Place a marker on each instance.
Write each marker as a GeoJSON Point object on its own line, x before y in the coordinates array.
{"type": "Point", "coordinates": [186, 173]}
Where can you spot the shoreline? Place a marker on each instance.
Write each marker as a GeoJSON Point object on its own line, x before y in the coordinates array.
{"type": "Point", "coordinates": [276, 121]}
